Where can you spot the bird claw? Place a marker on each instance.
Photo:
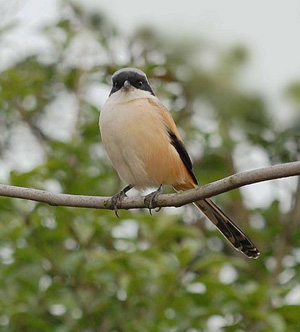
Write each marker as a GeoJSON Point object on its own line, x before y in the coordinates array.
{"type": "Point", "coordinates": [151, 200]}
{"type": "Point", "coordinates": [117, 199]}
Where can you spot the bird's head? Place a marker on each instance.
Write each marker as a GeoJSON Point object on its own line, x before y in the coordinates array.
{"type": "Point", "coordinates": [130, 81]}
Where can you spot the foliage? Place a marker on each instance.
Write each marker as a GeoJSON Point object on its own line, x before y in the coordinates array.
{"type": "Point", "coordinates": [64, 269]}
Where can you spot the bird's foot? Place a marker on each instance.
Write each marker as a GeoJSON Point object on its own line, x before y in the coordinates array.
{"type": "Point", "coordinates": [151, 199]}
{"type": "Point", "coordinates": [117, 199]}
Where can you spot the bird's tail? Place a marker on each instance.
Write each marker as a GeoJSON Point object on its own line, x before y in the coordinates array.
{"type": "Point", "coordinates": [227, 227]}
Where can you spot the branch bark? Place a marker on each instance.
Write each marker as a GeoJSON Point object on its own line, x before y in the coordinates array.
{"type": "Point", "coordinates": [212, 189]}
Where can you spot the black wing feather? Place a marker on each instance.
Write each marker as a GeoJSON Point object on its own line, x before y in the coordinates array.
{"type": "Point", "coordinates": [180, 148]}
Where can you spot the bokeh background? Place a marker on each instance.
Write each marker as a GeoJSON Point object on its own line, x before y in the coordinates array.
{"type": "Point", "coordinates": [229, 72]}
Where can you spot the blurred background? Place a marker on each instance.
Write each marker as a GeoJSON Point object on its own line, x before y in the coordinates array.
{"type": "Point", "coordinates": [229, 72]}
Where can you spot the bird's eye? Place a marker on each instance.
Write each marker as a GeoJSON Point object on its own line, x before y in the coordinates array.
{"type": "Point", "coordinates": [140, 84]}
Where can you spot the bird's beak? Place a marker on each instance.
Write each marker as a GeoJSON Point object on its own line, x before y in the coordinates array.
{"type": "Point", "coordinates": [126, 85]}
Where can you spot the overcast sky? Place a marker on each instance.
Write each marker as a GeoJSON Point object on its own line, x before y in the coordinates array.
{"type": "Point", "coordinates": [269, 28]}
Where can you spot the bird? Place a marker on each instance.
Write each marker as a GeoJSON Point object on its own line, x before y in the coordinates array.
{"type": "Point", "coordinates": [144, 146]}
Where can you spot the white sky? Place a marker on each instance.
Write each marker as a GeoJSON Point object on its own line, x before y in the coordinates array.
{"type": "Point", "coordinates": [270, 29]}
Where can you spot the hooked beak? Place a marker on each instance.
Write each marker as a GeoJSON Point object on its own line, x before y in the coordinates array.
{"type": "Point", "coordinates": [126, 85]}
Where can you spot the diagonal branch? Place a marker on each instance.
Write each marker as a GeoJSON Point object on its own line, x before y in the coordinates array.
{"type": "Point", "coordinates": [178, 199]}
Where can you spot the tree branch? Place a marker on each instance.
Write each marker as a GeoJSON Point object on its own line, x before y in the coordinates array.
{"type": "Point", "coordinates": [178, 199]}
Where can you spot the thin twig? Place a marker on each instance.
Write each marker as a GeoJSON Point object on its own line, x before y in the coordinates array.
{"type": "Point", "coordinates": [178, 199]}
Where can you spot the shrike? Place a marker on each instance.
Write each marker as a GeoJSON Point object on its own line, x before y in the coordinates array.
{"type": "Point", "coordinates": [144, 146]}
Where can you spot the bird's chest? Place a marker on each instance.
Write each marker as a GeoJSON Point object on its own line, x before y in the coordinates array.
{"type": "Point", "coordinates": [123, 132]}
{"type": "Point", "coordinates": [119, 122]}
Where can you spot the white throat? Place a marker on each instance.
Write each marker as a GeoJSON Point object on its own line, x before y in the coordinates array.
{"type": "Point", "coordinates": [120, 97]}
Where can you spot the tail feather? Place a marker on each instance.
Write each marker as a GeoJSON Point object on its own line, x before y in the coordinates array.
{"type": "Point", "coordinates": [227, 227]}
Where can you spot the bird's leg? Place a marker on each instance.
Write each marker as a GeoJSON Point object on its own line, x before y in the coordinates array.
{"type": "Point", "coordinates": [117, 198]}
{"type": "Point", "coordinates": [151, 199]}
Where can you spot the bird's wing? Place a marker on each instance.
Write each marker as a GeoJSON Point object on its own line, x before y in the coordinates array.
{"type": "Point", "coordinates": [175, 138]}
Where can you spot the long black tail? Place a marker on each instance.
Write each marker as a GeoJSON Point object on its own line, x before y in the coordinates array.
{"type": "Point", "coordinates": [227, 227]}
